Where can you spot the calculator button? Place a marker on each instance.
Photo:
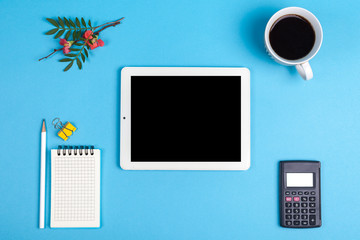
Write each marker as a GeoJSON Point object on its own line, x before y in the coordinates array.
{"type": "Point", "coordinates": [288, 199]}
{"type": "Point", "coordinates": [296, 210]}
{"type": "Point", "coordinates": [300, 193]}
{"type": "Point", "coordinates": [293, 193]}
{"type": "Point", "coordinates": [306, 193]}
{"type": "Point", "coordinates": [288, 210]}
{"type": "Point", "coordinates": [288, 223]}
{"type": "Point", "coordinates": [312, 219]}
{"type": "Point", "coordinates": [296, 222]}
{"type": "Point", "coordinates": [296, 216]}
{"type": "Point", "coordinates": [312, 210]}
{"type": "Point", "coordinates": [304, 205]}
{"type": "Point", "coordinates": [287, 204]}
{"type": "Point", "coordinates": [296, 199]}
{"type": "Point", "coordinates": [287, 193]}
{"type": "Point", "coordinates": [304, 210]}
{"type": "Point", "coordinates": [312, 193]}
{"type": "Point", "coordinates": [304, 216]}
{"type": "Point", "coordinates": [296, 204]}
{"type": "Point", "coordinates": [312, 204]}
{"type": "Point", "coordinates": [288, 216]}
{"type": "Point", "coordinates": [312, 199]}
{"type": "Point", "coordinates": [304, 199]}
{"type": "Point", "coordinates": [304, 222]}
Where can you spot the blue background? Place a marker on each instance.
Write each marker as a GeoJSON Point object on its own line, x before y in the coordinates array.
{"type": "Point", "coordinates": [290, 118]}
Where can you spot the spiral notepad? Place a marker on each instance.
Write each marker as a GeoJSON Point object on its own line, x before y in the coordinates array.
{"type": "Point", "coordinates": [75, 187]}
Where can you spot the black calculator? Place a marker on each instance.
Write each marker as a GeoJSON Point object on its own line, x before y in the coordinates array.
{"type": "Point", "coordinates": [300, 200]}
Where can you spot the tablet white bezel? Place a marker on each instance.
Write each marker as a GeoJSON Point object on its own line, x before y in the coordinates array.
{"type": "Point", "coordinates": [125, 118]}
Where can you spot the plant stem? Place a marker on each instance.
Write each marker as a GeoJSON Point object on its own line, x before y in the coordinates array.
{"type": "Point", "coordinates": [75, 29]}
{"type": "Point", "coordinates": [111, 25]}
{"type": "Point", "coordinates": [55, 50]}
{"type": "Point", "coordinates": [87, 40]}
{"type": "Point", "coordinates": [117, 21]}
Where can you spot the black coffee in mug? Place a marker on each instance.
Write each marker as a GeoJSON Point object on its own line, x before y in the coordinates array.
{"type": "Point", "coordinates": [292, 37]}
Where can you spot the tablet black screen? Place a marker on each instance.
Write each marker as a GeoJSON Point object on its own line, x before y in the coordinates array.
{"type": "Point", "coordinates": [185, 118]}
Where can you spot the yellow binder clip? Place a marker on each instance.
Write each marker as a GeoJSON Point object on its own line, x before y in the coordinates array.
{"type": "Point", "coordinates": [65, 130]}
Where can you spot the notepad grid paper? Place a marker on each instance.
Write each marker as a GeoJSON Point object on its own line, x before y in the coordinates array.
{"type": "Point", "coordinates": [75, 190]}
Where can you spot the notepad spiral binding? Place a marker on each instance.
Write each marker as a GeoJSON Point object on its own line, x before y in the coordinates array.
{"type": "Point", "coordinates": [62, 150]}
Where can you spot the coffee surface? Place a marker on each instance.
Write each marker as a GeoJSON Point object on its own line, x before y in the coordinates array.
{"type": "Point", "coordinates": [292, 37]}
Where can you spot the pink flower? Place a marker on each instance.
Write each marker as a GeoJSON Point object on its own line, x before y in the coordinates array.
{"type": "Point", "coordinates": [88, 34]}
{"type": "Point", "coordinates": [94, 43]}
{"type": "Point", "coordinates": [66, 50]}
{"type": "Point", "coordinates": [93, 46]}
{"type": "Point", "coordinates": [66, 44]}
{"type": "Point", "coordinates": [100, 43]}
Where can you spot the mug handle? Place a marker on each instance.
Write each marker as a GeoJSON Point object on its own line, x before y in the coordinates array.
{"type": "Point", "coordinates": [304, 70]}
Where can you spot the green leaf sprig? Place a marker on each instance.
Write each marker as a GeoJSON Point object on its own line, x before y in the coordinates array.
{"type": "Point", "coordinates": [68, 27]}
{"type": "Point", "coordinates": [73, 32]}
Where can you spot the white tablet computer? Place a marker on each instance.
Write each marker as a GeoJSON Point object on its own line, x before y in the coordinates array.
{"type": "Point", "coordinates": [185, 118]}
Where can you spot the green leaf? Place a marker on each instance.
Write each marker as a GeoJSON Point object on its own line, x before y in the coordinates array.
{"type": "Point", "coordinates": [82, 57]}
{"type": "Point", "coordinates": [78, 62]}
{"type": "Point", "coordinates": [74, 49]}
{"type": "Point", "coordinates": [86, 52]}
{"type": "Point", "coordinates": [67, 35]}
{"type": "Point", "coordinates": [52, 31]}
{"type": "Point", "coordinates": [74, 35]}
{"type": "Point", "coordinates": [77, 22]}
{"type": "Point", "coordinates": [66, 22]}
{"type": "Point", "coordinates": [82, 39]}
{"type": "Point", "coordinates": [72, 23]}
{"type": "Point", "coordinates": [78, 34]}
{"type": "Point", "coordinates": [68, 66]}
{"type": "Point", "coordinates": [83, 22]}
{"type": "Point", "coordinates": [77, 44]}
{"type": "Point", "coordinates": [61, 22]}
{"type": "Point", "coordinates": [53, 22]}
{"type": "Point", "coordinates": [61, 32]}
{"type": "Point", "coordinates": [71, 55]}
{"type": "Point", "coordinates": [65, 60]}
{"type": "Point", "coordinates": [89, 23]}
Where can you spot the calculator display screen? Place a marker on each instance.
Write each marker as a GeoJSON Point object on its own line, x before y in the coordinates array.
{"type": "Point", "coordinates": [300, 179]}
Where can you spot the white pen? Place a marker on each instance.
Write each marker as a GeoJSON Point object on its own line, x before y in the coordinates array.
{"type": "Point", "coordinates": [42, 176]}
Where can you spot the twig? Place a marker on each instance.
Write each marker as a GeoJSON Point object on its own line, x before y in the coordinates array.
{"type": "Point", "coordinates": [118, 21]}
{"type": "Point", "coordinates": [55, 50]}
{"type": "Point", "coordinates": [110, 25]}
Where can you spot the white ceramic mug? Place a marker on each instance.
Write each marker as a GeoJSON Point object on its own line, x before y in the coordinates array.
{"type": "Point", "coordinates": [302, 65]}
